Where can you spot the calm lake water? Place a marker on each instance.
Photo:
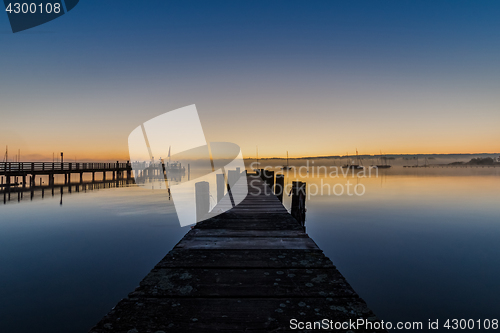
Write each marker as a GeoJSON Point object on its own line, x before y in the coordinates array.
{"type": "Point", "coordinates": [419, 244]}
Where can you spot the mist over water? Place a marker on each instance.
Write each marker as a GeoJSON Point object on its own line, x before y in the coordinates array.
{"type": "Point", "coordinates": [419, 244]}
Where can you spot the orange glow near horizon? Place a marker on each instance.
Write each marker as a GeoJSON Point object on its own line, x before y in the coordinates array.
{"type": "Point", "coordinates": [314, 139]}
{"type": "Point", "coordinates": [105, 155]}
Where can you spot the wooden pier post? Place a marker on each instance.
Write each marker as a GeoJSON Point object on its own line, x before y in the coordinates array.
{"type": "Point", "coordinates": [202, 193]}
{"type": "Point", "coordinates": [280, 186]}
{"type": "Point", "coordinates": [7, 189]}
{"type": "Point", "coordinates": [220, 186]}
{"type": "Point", "coordinates": [299, 201]}
{"type": "Point", "coordinates": [129, 170]}
{"type": "Point", "coordinates": [69, 173]}
{"type": "Point", "coordinates": [268, 177]}
{"type": "Point", "coordinates": [232, 177]}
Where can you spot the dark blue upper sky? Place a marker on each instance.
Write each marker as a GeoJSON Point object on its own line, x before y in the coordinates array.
{"type": "Point", "coordinates": [408, 66]}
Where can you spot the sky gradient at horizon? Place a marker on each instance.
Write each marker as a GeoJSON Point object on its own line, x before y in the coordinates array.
{"type": "Point", "coordinates": [313, 78]}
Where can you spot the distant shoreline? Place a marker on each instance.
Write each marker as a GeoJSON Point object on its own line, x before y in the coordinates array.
{"type": "Point", "coordinates": [388, 156]}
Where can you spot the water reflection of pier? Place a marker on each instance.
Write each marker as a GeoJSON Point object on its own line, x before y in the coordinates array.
{"type": "Point", "coordinates": [39, 192]}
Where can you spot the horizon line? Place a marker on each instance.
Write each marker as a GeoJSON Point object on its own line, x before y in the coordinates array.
{"type": "Point", "coordinates": [371, 155]}
{"type": "Point", "coordinates": [126, 158]}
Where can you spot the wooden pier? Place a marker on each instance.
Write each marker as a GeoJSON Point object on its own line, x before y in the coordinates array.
{"type": "Point", "coordinates": [252, 268]}
{"type": "Point", "coordinates": [16, 178]}
{"type": "Point", "coordinates": [28, 171]}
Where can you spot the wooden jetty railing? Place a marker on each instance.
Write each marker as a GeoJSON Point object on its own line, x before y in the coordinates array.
{"type": "Point", "coordinates": [30, 170]}
{"type": "Point", "coordinates": [46, 167]}
{"type": "Point", "coordinates": [252, 268]}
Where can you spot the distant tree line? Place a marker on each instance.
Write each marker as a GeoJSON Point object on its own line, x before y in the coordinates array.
{"type": "Point", "coordinates": [482, 161]}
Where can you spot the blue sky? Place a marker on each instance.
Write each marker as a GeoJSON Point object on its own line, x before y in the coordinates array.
{"type": "Point", "coordinates": [311, 77]}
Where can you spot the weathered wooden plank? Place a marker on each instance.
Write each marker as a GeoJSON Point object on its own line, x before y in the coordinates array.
{"type": "Point", "coordinates": [246, 233]}
{"type": "Point", "coordinates": [269, 209]}
{"type": "Point", "coordinates": [251, 222]}
{"type": "Point", "coordinates": [252, 212]}
{"type": "Point", "coordinates": [228, 314]}
{"type": "Point", "coordinates": [257, 217]}
{"type": "Point", "coordinates": [243, 282]}
{"type": "Point", "coordinates": [264, 209]}
{"type": "Point", "coordinates": [257, 202]}
{"type": "Point", "coordinates": [246, 259]}
{"type": "Point", "coordinates": [246, 243]}
{"type": "Point", "coordinates": [270, 218]}
{"type": "Point", "coordinates": [253, 225]}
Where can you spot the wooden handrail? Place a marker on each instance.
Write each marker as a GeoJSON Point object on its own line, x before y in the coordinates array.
{"type": "Point", "coordinates": [33, 167]}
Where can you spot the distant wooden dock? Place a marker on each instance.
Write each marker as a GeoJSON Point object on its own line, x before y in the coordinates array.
{"type": "Point", "coordinates": [16, 178]}
{"type": "Point", "coordinates": [252, 268]}
{"type": "Point", "coordinates": [28, 171]}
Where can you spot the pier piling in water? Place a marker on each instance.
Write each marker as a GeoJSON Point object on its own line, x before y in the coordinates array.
{"type": "Point", "coordinates": [298, 210]}
{"type": "Point", "coordinates": [220, 186]}
{"type": "Point", "coordinates": [202, 192]}
{"type": "Point", "coordinates": [279, 187]}
{"type": "Point", "coordinates": [268, 177]}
